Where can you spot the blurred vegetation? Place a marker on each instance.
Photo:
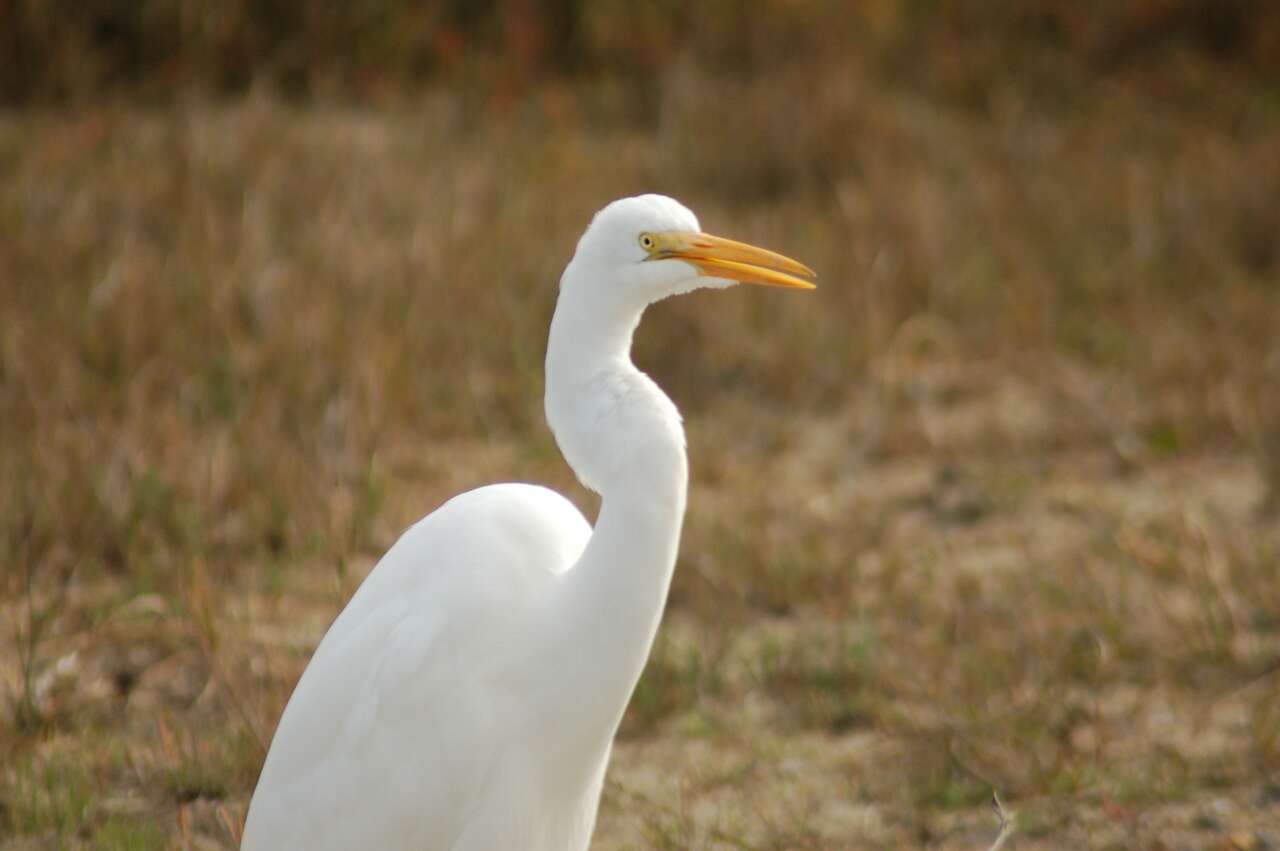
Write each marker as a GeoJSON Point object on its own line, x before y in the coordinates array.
{"type": "Point", "coordinates": [59, 50]}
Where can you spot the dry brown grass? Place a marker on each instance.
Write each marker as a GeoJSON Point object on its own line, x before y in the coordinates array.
{"type": "Point", "coordinates": [990, 510]}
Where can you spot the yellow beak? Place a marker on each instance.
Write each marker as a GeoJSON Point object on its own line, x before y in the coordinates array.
{"type": "Point", "coordinates": [717, 257]}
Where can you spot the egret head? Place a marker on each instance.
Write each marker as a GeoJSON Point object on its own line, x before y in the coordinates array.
{"type": "Point", "coordinates": [642, 249]}
{"type": "Point", "coordinates": [635, 252]}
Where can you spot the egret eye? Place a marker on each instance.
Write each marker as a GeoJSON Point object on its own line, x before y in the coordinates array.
{"type": "Point", "coordinates": [647, 241]}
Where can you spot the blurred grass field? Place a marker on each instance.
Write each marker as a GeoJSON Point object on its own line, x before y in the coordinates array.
{"type": "Point", "coordinates": [994, 508]}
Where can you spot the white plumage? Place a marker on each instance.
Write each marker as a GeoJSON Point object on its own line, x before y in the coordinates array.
{"type": "Point", "coordinates": [467, 696]}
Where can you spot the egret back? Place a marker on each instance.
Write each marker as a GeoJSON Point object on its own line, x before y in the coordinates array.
{"type": "Point", "coordinates": [416, 691]}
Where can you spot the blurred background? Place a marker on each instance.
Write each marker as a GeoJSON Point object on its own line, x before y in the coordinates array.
{"type": "Point", "coordinates": [994, 508]}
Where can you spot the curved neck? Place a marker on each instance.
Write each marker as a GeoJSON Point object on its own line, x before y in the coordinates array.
{"type": "Point", "coordinates": [623, 438]}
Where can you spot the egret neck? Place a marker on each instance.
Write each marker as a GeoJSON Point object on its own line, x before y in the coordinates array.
{"type": "Point", "coordinates": [623, 438]}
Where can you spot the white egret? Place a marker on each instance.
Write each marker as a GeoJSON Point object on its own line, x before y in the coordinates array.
{"type": "Point", "coordinates": [468, 695]}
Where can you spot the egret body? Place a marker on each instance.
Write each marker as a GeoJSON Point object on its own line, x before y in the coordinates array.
{"type": "Point", "coordinates": [468, 695]}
